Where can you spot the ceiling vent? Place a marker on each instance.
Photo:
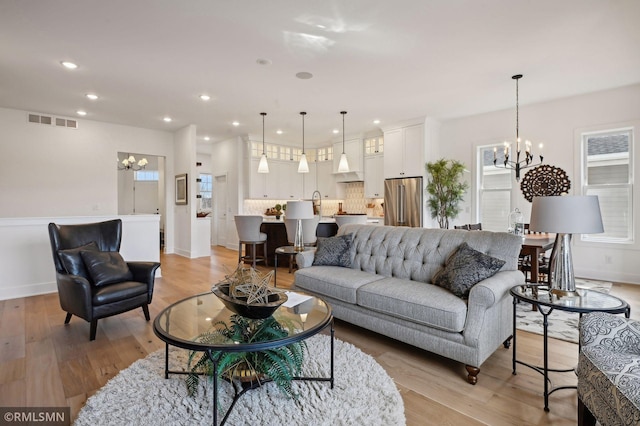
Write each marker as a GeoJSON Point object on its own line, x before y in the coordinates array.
{"type": "Point", "coordinates": [52, 121]}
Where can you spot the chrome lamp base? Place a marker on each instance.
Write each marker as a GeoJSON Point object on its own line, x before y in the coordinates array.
{"type": "Point", "coordinates": [563, 283]}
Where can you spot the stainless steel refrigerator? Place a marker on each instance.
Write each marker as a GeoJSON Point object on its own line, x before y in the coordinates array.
{"type": "Point", "coordinates": [403, 202]}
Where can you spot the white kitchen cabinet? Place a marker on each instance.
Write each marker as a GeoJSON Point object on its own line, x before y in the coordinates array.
{"type": "Point", "coordinates": [353, 149]}
{"type": "Point", "coordinates": [326, 181]}
{"type": "Point", "coordinates": [289, 181]}
{"type": "Point", "coordinates": [404, 152]}
{"type": "Point", "coordinates": [310, 181]}
{"type": "Point", "coordinates": [373, 176]}
{"type": "Point", "coordinates": [263, 185]}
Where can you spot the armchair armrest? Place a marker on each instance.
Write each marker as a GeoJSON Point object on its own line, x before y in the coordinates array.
{"type": "Point", "coordinates": [144, 272]}
{"type": "Point", "coordinates": [612, 332]}
{"type": "Point", "coordinates": [75, 295]}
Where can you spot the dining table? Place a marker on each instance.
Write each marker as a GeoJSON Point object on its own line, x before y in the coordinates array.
{"type": "Point", "coordinates": [533, 246]}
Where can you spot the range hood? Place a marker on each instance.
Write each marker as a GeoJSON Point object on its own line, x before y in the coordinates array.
{"type": "Point", "coordinates": [349, 176]}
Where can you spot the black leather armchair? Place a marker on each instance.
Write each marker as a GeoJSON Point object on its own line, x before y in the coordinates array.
{"type": "Point", "coordinates": [79, 290]}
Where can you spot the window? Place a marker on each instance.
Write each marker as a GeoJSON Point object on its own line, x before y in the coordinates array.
{"type": "Point", "coordinates": [494, 189]}
{"type": "Point", "coordinates": [608, 173]}
{"type": "Point", "coordinates": [205, 191]}
{"type": "Point", "coordinates": [146, 175]}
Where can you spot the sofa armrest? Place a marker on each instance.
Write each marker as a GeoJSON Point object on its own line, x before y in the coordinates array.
{"type": "Point", "coordinates": [304, 259]}
{"type": "Point", "coordinates": [612, 332]}
{"type": "Point", "coordinates": [490, 291]}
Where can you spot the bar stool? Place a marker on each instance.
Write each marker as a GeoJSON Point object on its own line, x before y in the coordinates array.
{"type": "Point", "coordinates": [344, 219]}
{"type": "Point", "coordinates": [248, 227]}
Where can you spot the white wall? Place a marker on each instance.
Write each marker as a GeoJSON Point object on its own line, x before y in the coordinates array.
{"type": "Point", "coordinates": [556, 124]}
{"type": "Point", "coordinates": [230, 158]}
{"type": "Point", "coordinates": [56, 171]}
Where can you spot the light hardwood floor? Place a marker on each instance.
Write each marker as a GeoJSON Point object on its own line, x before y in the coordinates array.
{"type": "Point", "coordinates": [45, 363]}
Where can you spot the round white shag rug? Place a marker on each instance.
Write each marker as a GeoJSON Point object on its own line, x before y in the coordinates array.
{"type": "Point", "coordinates": [363, 394]}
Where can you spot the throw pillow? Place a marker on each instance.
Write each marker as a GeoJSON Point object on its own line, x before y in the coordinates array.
{"type": "Point", "coordinates": [465, 268]}
{"type": "Point", "coordinates": [72, 260]}
{"type": "Point", "coordinates": [106, 267]}
{"type": "Point", "coordinates": [334, 251]}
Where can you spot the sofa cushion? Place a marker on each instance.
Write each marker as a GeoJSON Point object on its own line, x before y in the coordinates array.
{"type": "Point", "coordinates": [106, 267]}
{"type": "Point", "coordinates": [422, 303]}
{"type": "Point", "coordinates": [465, 268]}
{"type": "Point", "coordinates": [119, 292]}
{"type": "Point", "coordinates": [334, 251]}
{"type": "Point", "coordinates": [334, 281]}
{"type": "Point", "coordinates": [72, 260]}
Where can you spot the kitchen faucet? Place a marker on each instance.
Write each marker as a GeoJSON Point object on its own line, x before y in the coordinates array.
{"type": "Point", "coordinates": [313, 199]}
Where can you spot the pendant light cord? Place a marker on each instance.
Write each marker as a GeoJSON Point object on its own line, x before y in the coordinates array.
{"type": "Point", "coordinates": [303, 114]}
{"type": "Point", "coordinates": [343, 113]}
{"type": "Point", "coordinates": [263, 114]}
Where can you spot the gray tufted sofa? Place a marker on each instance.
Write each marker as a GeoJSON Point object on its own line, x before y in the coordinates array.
{"type": "Point", "coordinates": [387, 290]}
{"type": "Point", "coordinates": [609, 370]}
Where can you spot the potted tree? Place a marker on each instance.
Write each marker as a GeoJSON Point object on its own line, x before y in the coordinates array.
{"type": "Point", "coordinates": [446, 188]}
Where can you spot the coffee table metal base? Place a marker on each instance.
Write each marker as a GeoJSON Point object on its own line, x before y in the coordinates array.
{"type": "Point", "coordinates": [241, 389]}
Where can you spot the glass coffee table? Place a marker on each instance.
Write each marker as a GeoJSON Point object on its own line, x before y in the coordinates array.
{"type": "Point", "coordinates": [183, 322]}
{"type": "Point", "coordinates": [540, 298]}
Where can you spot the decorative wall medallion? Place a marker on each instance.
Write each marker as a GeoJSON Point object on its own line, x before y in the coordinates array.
{"type": "Point", "coordinates": [545, 180]}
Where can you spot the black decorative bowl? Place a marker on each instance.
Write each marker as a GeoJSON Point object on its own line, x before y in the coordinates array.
{"type": "Point", "coordinates": [242, 308]}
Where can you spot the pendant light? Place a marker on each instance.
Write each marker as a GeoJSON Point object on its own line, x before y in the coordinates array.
{"type": "Point", "coordinates": [263, 167]}
{"type": "Point", "coordinates": [343, 167]}
{"type": "Point", "coordinates": [303, 167]}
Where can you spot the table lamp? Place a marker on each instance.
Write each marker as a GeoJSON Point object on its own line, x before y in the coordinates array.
{"type": "Point", "coordinates": [565, 215]}
{"type": "Point", "coordinates": [299, 210]}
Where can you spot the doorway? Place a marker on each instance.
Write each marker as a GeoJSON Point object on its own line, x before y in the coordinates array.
{"type": "Point", "coordinates": [220, 210]}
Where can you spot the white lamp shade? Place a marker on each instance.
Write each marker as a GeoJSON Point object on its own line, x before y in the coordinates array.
{"type": "Point", "coordinates": [343, 167]}
{"type": "Point", "coordinates": [299, 210]}
{"type": "Point", "coordinates": [263, 167]}
{"type": "Point", "coordinates": [303, 167]}
{"type": "Point", "coordinates": [568, 214]}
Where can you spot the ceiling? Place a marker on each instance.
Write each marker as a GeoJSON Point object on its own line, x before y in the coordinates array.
{"type": "Point", "coordinates": [376, 59]}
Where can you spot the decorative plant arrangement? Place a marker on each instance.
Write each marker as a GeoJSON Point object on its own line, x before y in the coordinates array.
{"type": "Point", "coordinates": [445, 189]}
{"type": "Point", "coordinates": [276, 211]}
{"type": "Point", "coordinates": [280, 365]}
{"type": "Point", "coordinates": [246, 292]}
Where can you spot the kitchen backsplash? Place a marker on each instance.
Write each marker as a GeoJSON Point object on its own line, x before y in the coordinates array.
{"type": "Point", "coordinates": [354, 202]}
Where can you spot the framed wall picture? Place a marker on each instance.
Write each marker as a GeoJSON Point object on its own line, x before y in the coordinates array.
{"type": "Point", "coordinates": [181, 189]}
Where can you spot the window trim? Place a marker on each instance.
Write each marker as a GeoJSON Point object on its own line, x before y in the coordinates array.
{"type": "Point", "coordinates": [584, 186]}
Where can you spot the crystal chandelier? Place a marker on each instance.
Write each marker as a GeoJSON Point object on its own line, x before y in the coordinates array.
{"type": "Point", "coordinates": [129, 163]}
{"type": "Point", "coordinates": [517, 164]}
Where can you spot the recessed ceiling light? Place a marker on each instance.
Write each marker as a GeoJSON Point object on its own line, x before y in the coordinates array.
{"type": "Point", "coordinates": [279, 131]}
{"type": "Point", "coordinates": [336, 131]}
{"type": "Point", "coordinates": [235, 123]}
{"type": "Point", "coordinates": [205, 97]}
{"type": "Point", "coordinates": [207, 138]}
{"type": "Point", "coordinates": [303, 75]}
{"type": "Point", "coordinates": [376, 121]}
{"type": "Point", "coordinates": [92, 96]}
{"type": "Point", "coordinates": [262, 61]}
{"type": "Point", "coordinates": [69, 65]}
{"type": "Point", "coordinates": [81, 112]}
{"type": "Point", "coordinates": [168, 119]}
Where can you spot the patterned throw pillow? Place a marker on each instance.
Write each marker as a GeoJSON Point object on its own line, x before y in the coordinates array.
{"type": "Point", "coordinates": [334, 251]}
{"type": "Point", "coordinates": [106, 267]}
{"type": "Point", "coordinates": [465, 268]}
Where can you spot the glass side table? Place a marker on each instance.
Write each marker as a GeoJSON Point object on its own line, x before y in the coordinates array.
{"type": "Point", "coordinates": [588, 301]}
{"type": "Point", "coordinates": [285, 251]}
